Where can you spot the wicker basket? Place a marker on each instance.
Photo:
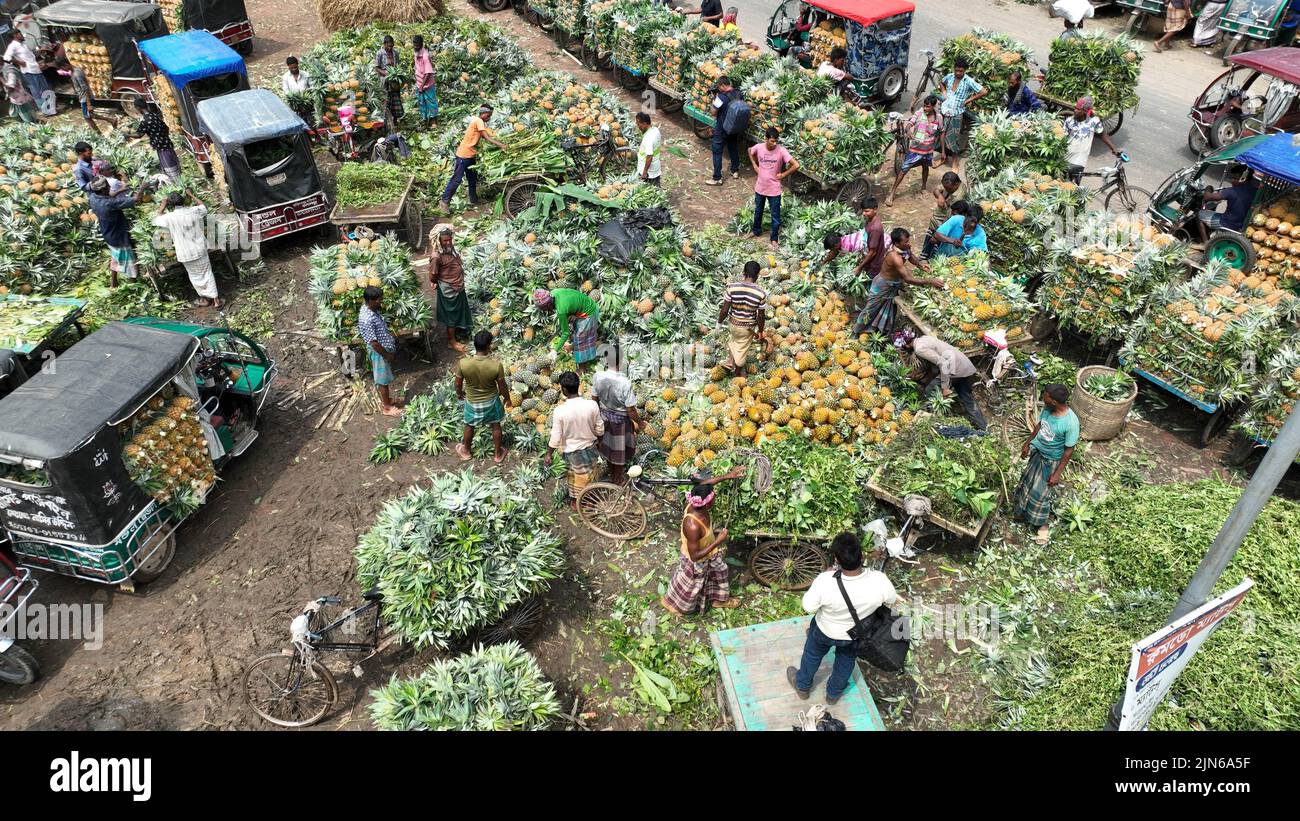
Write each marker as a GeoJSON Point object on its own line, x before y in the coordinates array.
{"type": "Point", "coordinates": [1099, 419]}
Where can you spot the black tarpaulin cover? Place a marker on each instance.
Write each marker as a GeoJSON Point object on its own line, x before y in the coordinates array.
{"type": "Point", "coordinates": [214, 15]}
{"type": "Point", "coordinates": [117, 24]}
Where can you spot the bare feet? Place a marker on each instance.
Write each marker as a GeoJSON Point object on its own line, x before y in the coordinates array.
{"type": "Point", "coordinates": [458, 346]}
{"type": "Point", "coordinates": [392, 410]}
{"type": "Point", "coordinates": [500, 456]}
{"type": "Point", "coordinates": [729, 604]}
{"type": "Point", "coordinates": [443, 207]}
{"type": "Point", "coordinates": [463, 452]}
{"type": "Point", "coordinates": [889, 200]}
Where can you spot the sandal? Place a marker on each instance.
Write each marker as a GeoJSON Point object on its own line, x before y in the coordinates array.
{"type": "Point", "coordinates": [463, 452]}
{"type": "Point", "coordinates": [500, 457]}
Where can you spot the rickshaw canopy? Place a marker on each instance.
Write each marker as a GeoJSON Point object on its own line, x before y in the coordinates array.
{"type": "Point", "coordinates": [84, 13]}
{"type": "Point", "coordinates": [247, 116]}
{"type": "Point", "coordinates": [1281, 61]}
{"type": "Point", "coordinates": [192, 55]}
{"type": "Point", "coordinates": [1275, 155]}
{"type": "Point", "coordinates": [97, 382]}
{"type": "Point", "coordinates": [865, 12]}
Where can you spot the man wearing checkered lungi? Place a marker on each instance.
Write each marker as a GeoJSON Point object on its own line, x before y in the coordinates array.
{"type": "Point", "coordinates": [701, 579]}
{"type": "Point", "coordinates": [577, 321]}
{"type": "Point", "coordinates": [1048, 450]}
{"type": "Point", "coordinates": [481, 386]}
{"type": "Point", "coordinates": [618, 410]}
{"type": "Point", "coordinates": [575, 428]}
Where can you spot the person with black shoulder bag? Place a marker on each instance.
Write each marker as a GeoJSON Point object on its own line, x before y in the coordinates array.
{"type": "Point", "coordinates": [845, 602]}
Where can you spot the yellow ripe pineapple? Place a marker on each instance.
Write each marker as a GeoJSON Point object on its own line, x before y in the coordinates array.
{"type": "Point", "coordinates": [748, 430]}
{"type": "Point", "coordinates": [822, 433]}
{"type": "Point", "coordinates": [796, 425]}
{"type": "Point", "coordinates": [983, 311]}
{"type": "Point", "coordinates": [717, 440]}
{"type": "Point", "coordinates": [781, 416]}
{"type": "Point", "coordinates": [820, 415]}
{"type": "Point", "coordinates": [675, 458]}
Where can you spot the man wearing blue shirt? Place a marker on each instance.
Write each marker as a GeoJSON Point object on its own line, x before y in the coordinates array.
{"type": "Point", "coordinates": [1238, 197]}
{"type": "Point", "coordinates": [85, 169]}
{"type": "Point", "coordinates": [1020, 100]}
{"type": "Point", "coordinates": [961, 233]}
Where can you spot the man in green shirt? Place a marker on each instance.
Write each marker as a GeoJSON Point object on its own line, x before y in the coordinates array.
{"type": "Point", "coordinates": [1050, 446]}
{"type": "Point", "coordinates": [481, 385]}
{"type": "Point", "coordinates": [577, 320]}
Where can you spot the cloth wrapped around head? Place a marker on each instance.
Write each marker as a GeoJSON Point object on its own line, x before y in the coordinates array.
{"type": "Point", "coordinates": [1085, 103]}
{"type": "Point", "coordinates": [700, 496]}
{"type": "Point", "coordinates": [99, 185]}
{"type": "Point", "coordinates": [543, 299]}
{"type": "Point", "coordinates": [904, 338]}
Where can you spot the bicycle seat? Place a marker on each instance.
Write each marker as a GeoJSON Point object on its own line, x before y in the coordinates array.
{"type": "Point", "coordinates": [997, 338]}
{"type": "Point", "coordinates": [373, 594]}
{"type": "Point", "coordinates": [634, 472]}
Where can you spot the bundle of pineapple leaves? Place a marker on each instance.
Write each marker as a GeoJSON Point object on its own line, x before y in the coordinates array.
{"type": "Point", "coordinates": [1036, 141]}
{"type": "Point", "coordinates": [1109, 387]}
{"type": "Point", "coordinates": [992, 57]}
{"type": "Point", "coordinates": [1022, 211]}
{"type": "Point", "coordinates": [457, 554]}
{"type": "Point", "coordinates": [1069, 612]}
{"type": "Point", "coordinates": [962, 478]}
{"type": "Point", "coordinates": [499, 687]}
{"type": "Point", "coordinates": [338, 275]}
{"type": "Point", "coordinates": [361, 185]}
{"type": "Point", "coordinates": [1096, 64]}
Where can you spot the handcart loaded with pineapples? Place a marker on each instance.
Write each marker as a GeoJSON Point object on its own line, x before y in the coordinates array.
{"type": "Point", "coordinates": [104, 455]}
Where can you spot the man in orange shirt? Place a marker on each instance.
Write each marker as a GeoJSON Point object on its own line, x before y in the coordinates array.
{"type": "Point", "coordinates": [466, 154]}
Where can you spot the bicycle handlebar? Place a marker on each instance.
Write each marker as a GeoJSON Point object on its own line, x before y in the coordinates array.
{"type": "Point", "coordinates": [328, 600]}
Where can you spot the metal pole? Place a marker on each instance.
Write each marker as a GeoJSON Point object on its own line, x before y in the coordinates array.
{"type": "Point", "coordinates": [1276, 462]}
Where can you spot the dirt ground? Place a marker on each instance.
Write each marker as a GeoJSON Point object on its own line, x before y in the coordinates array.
{"type": "Point", "coordinates": [281, 527]}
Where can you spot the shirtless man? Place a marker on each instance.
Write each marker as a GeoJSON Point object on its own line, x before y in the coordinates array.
{"type": "Point", "coordinates": [879, 313]}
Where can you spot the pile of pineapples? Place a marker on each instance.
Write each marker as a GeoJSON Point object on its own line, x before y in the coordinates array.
{"type": "Point", "coordinates": [737, 61]}
{"type": "Point", "coordinates": [1276, 395]}
{"type": "Point", "coordinates": [598, 33]}
{"type": "Point", "coordinates": [173, 12]}
{"type": "Point", "coordinates": [337, 277]}
{"type": "Point", "coordinates": [88, 52]}
{"type": "Point", "coordinates": [837, 141]}
{"type": "Point", "coordinates": [569, 108]}
{"type": "Point", "coordinates": [825, 38]}
{"type": "Point", "coordinates": [1274, 233]}
{"type": "Point", "coordinates": [165, 96]}
{"type": "Point", "coordinates": [976, 300]}
{"type": "Point", "coordinates": [774, 95]}
{"type": "Point", "coordinates": [571, 15]}
{"type": "Point", "coordinates": [1023, 210]}
{"type": "Point", "coordinates": [992, 57]}
{"type": "Point", "coordinates": [166, 452]}
{"type": "Point", "coordinates": [1037, 141]}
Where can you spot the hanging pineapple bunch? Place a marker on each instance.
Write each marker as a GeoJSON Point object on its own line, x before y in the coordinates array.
{"type": "Point", "coordinates": [88, 52]}
{"type": "Point", "coordinates": [826, 37]}
{"type": "Point", "coordinates": [337, 277]}
{"type": "Point", "coordinates": [975, 300]}
{"type": "Point", "coordinates": [1275, 235]}
{"type": "Point", "coordinates": [173, 12]}
{"type": "Point", "coordinates": [166, 453]}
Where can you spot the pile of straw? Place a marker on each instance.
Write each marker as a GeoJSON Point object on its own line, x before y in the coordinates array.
{"type": "Point", "coordinates": [344, 14]}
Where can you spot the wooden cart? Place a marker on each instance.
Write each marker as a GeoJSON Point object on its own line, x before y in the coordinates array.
{"type": "Point", "coordinates": [755, 693]}
{"type": "Point", "coordinates": [905, 308]}
{"type": "Point", "coordinates": [976, 534]}
{"type": "Point", "coordinates": [673, 99]}
{"type": "Point", "coordinates": [401, 216]}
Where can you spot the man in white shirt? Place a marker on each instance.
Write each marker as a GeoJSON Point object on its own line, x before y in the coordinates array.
{"type": "Point", "coordinates": [867, 589]}
{"type": "Point", "coordinates": [575, 427]}
{"type": "Point", "coordinates": [186, 227]}
{"type": "Point", "coordinates": [834, 67]}
{"type": "Point", "coordinates": [33, 78]}
{"type": "Point", "coordinates": [647, 156]}
{"type": "Point", "coordinates": [294, 81]}
{"type": "Point", "coordinates": [1080, 128]}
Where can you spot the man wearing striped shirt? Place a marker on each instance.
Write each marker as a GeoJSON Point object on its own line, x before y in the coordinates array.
{"type": "Point", "coordinates": [745, 303]}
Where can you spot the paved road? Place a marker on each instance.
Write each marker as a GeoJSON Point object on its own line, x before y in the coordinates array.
{"type": "Point", "coordinates": [1155, 136]}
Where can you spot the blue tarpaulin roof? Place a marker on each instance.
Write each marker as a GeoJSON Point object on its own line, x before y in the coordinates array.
{"type": "Point", "coordinates": [192, 55]}
{"type": "Point", "coordinates": [247, 116]}
{"type": "Point", "coordinates": [1277, 156]}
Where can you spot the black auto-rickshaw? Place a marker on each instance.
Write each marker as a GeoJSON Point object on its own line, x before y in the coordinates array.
{"type": "Point", "coordinates": [100, 37]}
{"type": "Point", "coordinates": [261, 149]}
{"type": "Point", "coordinates": [17, 666]}
{"type": "Point", "coordinates": [105, 453]}
{"type": "Point", "coordinates": [227, 20]}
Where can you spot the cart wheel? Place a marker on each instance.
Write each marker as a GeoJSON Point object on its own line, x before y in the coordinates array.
{"type": "Point", "coordinates": [520, 195]}
{"type": "Point", "coordinates": [790, 565]}
{"type": "Point", "coordinates": [18, 667]}
{"type": "Point", "coordinates": [414, 226]}
{"type": "Point", "coordinates": [283, 692]}
{"type": "Point", "coordinates": [1215, 425]}
{"type": "Point", "coordinates": [495, 5]}
{"type": "Point", "coordinates": [1226, 131]}
{"type": "Point", "coordinates": [611, 511]}
{"type": "Point", "coordinates": [1197, 141]}
{"type": "Point", "coordinates": [1231, 48]}
{"type": "Point", "coordinates": [155, 564]}
{"type": "Point", "coordinates": [802, 185]}
{"type": "Point", "coordinates": [630, 81]}
{"type": "Point", "coordinates": [1112, 123]}
{"type": "Point", "coordinates": [1242, 449]}
{"type": "Point", "coordinates": [1042, 327]}
{"type": "Point", "coordinates": [854, 192]}
{"type": "Point", "coordinates": [1232, 248]}
{"type": "Point", "coordinates": [519, 624]}
{"type": "Point", "coordinates": [545, 23]}
{"type": "Point", "coordinates": [1136, 22]}
{"type": "Point", "coordinates": [702, 130]}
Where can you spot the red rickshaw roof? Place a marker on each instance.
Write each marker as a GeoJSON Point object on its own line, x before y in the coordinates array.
{"type": "Point", "coordinates": [1281, 61]}
{"type": "Point", "coordinates": [867, 12]}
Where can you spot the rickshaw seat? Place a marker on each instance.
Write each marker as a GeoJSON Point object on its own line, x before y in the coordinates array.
{"type": "Point", "coordinates": [252, 379]}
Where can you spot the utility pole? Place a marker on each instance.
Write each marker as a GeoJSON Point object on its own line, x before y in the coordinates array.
{"type": "Point", "coordinates": [1276, 462]}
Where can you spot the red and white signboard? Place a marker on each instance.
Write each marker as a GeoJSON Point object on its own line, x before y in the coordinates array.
{"type": "Point", "coordinates": [1161, 656]}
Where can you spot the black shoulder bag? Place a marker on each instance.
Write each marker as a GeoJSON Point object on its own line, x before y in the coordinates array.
{"type": "Point", "coordinates": [874, 640]}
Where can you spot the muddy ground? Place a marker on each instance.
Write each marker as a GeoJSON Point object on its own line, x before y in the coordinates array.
{"type": "Point", "coordinates": [281, 526]}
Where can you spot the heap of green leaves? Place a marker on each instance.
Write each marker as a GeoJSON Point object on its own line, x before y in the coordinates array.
{"type": "Point", "coordinates": [992, 57]}
{"type": "Point", "coordinates": [490, 688]}
{"type": "Point", "coordinates": [458, 554]}
{"type": "Point", "coordinates": [361, 185]}
{"type": "Point", "coordinates": [637, 27]}
{"type": "Point", "coordinates": [963, 479]}
{"type": "Point", "coordinates": [1036, 140]}
{"type": "Point", "coordinates": [1070, 611]}
{"type": "Point", "coordinates": [1097, 64]}
{"type": "Point", "coordinates": [1109, 387]}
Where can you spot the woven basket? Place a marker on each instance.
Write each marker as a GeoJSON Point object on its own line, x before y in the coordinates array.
{"type": "Point", "coordinates": [1099, 419]}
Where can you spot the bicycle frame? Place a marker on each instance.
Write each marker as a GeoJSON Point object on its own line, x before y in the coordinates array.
{"type": "Point", "coordinates": [316, 637]}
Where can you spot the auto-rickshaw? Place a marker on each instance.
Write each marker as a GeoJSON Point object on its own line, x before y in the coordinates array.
{"type": "Point", "coordinates": [1274, 160]}
{"type": "Point", "coordinates": [101, 37]}
{"type": "Point", "coordinates": [1259, 20]}
{"type": "Point", "coordinates": [195, 66]}
{"type": "Point", "coordinates": [103, 455]}
{"type": "Point", "coordinates": [1256, 96]}
{"type": "Point", "coordinates": [227, 20]}
{"type": "Point", "coordinates": [17, 666]}
{"type": "Point", "coordinates": [1140, 11]}
{"type": "Point", "coordinates": [261, 148]}
{"type": "Point", "coordinates": [877, 34]}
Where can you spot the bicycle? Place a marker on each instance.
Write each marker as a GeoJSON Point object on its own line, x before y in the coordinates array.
{"type": "Point", "coordinates": [929, 79]}
{"type": "Point", "coordinates": [614, 511]}
{"type": "Point", "coordinates": [1134, 200]}
{"type": "Point", "coordinates": [292, 688]}
{"type": "Point", "coordinates": [602, 157]}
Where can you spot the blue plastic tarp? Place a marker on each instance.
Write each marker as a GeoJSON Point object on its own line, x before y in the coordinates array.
{"type": "Point", "coordinates": [192, 55]}
{"type": "Point", "coordinates": [1277, 156]}
{"type": "Point", "coordinates": [247, 116]}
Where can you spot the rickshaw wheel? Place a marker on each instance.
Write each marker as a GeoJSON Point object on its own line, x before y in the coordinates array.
{"type": "Point", "coordinates": [787, 565]}
{"type": "Point", "coordinates": [1135, 23]}
{"type": "Point", "coordinates": [280, 691]}
{"type": "Point", "coordinates": [519, 624]}
{"type": "Point", "coordinates": [1042, 327]}
{"type": "Point", "coordinates": [702, 130]}
{"type": "Point", "coordinates": [802, 185]}
{"type": "Point", "coordinates": [1231, 248]}
{"type": "Point", "coordinates": [1226, 131]}
{"type": "Point", "coordinates": [854, 192]}
{"type": "Point", "coordinates": [157, 562]}
{"type": "Point", "coordinates": [495, 5]}
{"type": "Point", "coordinates": [18, 667]}
{"type": "Point", "coordinates": [890, 84]}
{"type": "Point", "coordinates": [1197, 142]}
{"type": "Point", "coordinates": [520, 196]}
{"type": "Point", "coordinates": [611, 511]}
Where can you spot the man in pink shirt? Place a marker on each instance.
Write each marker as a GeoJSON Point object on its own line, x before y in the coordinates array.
{"type": "Point", "coordinates": [772, 163]}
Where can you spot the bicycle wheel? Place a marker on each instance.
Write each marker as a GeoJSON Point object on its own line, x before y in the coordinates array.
{"type": "Point", "coordinates": [617, 164]}
{"type": "Point", "coordinates": [788, 565]}
{"type": "Point", "coordinates": [1130, 198]}
{"type": "Point", "coordinates": [611, 511]}
{"type": "Point", "coordinates": [284, 692]}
